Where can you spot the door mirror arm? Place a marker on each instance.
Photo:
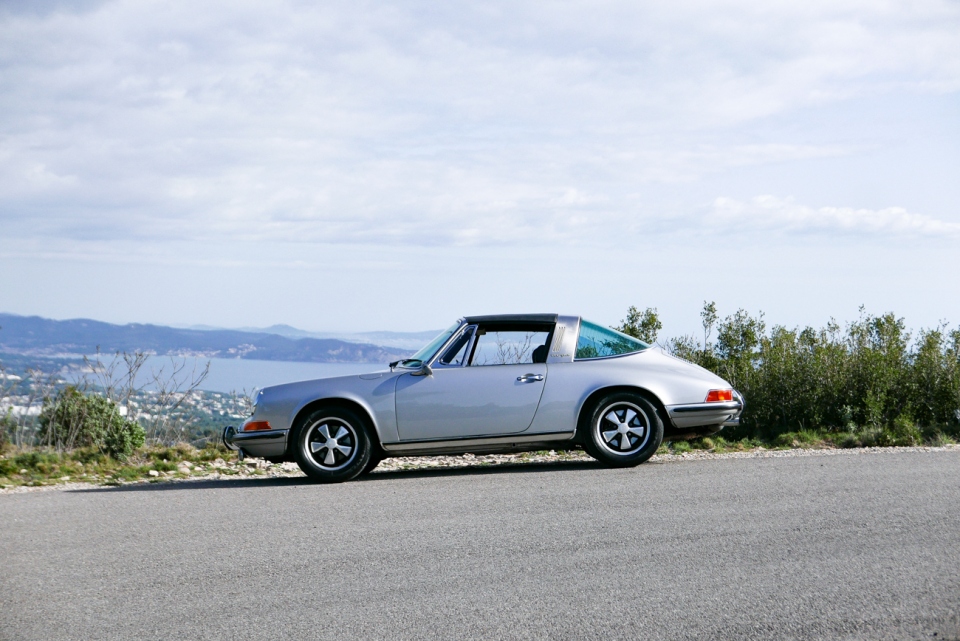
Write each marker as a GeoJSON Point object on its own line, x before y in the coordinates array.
{"type": "Point", "coordinates": [423, 371]}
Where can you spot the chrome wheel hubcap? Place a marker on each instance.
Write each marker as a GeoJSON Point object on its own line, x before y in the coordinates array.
{"type": "Point", "coordinates": [331, 443]}
{"type": "Point", "coordinates": [623, 428]}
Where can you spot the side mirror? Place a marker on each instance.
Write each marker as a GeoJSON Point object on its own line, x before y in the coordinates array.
{"type": "Point", "coordinates": [423, 371]}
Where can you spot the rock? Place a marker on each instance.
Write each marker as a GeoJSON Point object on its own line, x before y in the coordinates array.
{"type": "Point", "coordinates": [23, 471]}
{"type": "Point", "coordinates": [153, 473]}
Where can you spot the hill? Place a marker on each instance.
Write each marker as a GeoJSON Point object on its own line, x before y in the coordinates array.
{"type": "Point", "coordinates": [45, 337]}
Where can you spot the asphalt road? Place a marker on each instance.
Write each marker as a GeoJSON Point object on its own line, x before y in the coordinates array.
{"type": "Point", "coordinates": [852, 546]}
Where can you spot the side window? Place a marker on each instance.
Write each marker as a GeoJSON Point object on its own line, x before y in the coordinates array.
{"type": "Point", "coordinates": [596, 341]}
{"type": "Point", "coordinates": [510, 347]}
{"type": "Point", "coordinates": [457, 352]}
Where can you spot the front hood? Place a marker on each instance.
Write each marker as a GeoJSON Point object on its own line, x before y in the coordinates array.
{"type": "Point", "coordinates": [320, 383]}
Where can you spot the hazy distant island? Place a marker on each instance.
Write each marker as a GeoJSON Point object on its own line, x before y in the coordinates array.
{"type": "Point", "coordinates": [36, 336]}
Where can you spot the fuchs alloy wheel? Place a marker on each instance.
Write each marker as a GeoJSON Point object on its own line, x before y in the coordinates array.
{"type": "Point", "coordinates": [332, 445]}
{"type": "Point", "coordinates": [624, 430]}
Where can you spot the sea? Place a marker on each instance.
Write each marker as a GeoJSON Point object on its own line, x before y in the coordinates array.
{"type": "Point", "coordinates": [241, 374]}
{"type": "Point", "coordinates": [245, 375]}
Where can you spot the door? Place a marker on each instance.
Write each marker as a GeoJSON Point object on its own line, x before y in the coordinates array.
{"type": "Point", "coordinates": [495, 391]}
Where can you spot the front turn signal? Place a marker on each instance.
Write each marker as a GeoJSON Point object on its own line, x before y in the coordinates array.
{"type": "Point", "coordinates": [257, 426]}
{"type": "Point", "coordinates": [719, 396]}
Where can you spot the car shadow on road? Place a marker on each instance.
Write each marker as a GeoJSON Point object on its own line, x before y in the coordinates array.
{"type": "Point", "coordinates": [378, 476]}
{"type": "Point", "coordinates": [374, 477]}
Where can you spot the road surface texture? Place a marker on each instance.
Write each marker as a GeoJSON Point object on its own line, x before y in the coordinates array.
{"type": "Point", "coordinates": [832, 547]}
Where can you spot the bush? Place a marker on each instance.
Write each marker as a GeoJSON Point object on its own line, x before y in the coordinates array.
{"type": "Point", "coordinates": [870, 384]}
{"type": "Point", "coordinates": [73, 419]}
{"type": "Point", "coordinates": [902, 433]}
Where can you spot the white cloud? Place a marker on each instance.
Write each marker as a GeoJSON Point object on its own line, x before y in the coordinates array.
{"type": "Point", "coordinates": [413, 123]}
{"type": "Point", "coordinates": [769, 213]}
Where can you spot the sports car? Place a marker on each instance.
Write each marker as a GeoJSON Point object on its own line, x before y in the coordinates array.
{"type": "Point", "coordinates": [493, 384]}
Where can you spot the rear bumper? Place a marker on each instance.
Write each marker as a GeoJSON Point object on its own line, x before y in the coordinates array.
{"type": "Point", "coordinates": [262, 443]}
{"type": "Point", "coordinates": [698, 414]}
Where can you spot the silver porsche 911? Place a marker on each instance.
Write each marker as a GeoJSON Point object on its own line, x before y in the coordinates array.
{"type": "Point", "coordinates": [493, 384]}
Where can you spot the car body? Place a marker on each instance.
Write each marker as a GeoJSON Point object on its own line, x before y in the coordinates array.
{"type": "Point", "coordinates": [504, 383]}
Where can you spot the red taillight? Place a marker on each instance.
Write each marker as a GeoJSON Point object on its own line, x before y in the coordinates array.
{"type": "Point", "coordinates": [257, 426]}
{"type": "Point", "coordinates": [719, 395]}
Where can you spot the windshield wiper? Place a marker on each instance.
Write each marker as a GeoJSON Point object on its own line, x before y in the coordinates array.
{"type": "Point", "coordinates": [406, 362]}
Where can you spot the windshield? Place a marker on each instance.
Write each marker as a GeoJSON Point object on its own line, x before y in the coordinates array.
{"type": "Point", "coordinates": [427, 352]}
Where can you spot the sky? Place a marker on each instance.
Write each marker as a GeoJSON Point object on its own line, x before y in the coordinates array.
{"type": "Point", "coordinates": [363, 166]}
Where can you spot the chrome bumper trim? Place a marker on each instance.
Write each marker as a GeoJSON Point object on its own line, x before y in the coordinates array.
{"type": "Point", "coordinates": [234, 439]}
{"type": "Point", "coordinates": [731, 406]}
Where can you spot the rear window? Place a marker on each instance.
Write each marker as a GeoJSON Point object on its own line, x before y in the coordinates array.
{"type": "Point", "coordinates": [597, 341]}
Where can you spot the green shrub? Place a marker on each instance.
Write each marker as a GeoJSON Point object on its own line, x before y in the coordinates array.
{"type": "Point", "coordinates": [73, 419]}
{"type": "Point", "coordinates": [680, 447]}
{"type": "Point", "coordinates": [902, 433]}
{"type": "Point", "coordinates": [88, 455]}
{"type": "Point", "coordinates": [164, 466]}
{"type": "Point", "coordinates": [705, 443]}
{"type": "Point", "coordinates": [870, 383]}
{"type": "Point", "coordinates": [8, 467]}
{"type": "Point", "coordinates": [939, 439]}
{"type": "Point", "coordinates": [869, 436]}
{"type": "Point", "coordinates": [847, 441]}
{"type": "Point", "coordinates": [798, 439]}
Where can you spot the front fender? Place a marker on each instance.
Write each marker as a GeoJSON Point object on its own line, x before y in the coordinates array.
{"type": "Point", "coordinates": [373, 393]}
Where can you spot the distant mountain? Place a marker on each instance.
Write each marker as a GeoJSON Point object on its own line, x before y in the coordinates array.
{"type": "Point", "coordinates": [41, 336]}
{"type": "Point", "coordinates": [403, 341]}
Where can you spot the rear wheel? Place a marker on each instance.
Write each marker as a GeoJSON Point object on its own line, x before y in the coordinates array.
{"type": "Point", "coordinates": [624, 430]}
{"type": "Point", "coordinates": [332, 445]}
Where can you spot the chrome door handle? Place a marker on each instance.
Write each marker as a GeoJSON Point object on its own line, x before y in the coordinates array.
{"type": "Point", "coordinates": [526, 378]}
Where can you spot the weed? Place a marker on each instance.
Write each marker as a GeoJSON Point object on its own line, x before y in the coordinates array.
{"type": "Point", "coordinates": [680, 447]}
{"type": "Point", "coordinates": [704, 443]}
{"type": "Point", "coordinates": [939, 439]}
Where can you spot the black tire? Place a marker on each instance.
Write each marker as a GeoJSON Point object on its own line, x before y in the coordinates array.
{"type": "Point", "coordinates": [332, 445]}
{"type": "Point", "coordinates": [371, 465]}
{"type": "Point", "coordinates": [636, 420]}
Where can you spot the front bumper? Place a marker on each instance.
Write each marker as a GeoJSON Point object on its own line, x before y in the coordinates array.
{"type": "Point", "coordinates": [261, 443]}
{"type": "Point", "coordinates": [696, 414]}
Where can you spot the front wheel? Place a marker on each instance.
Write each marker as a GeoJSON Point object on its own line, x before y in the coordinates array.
{"type": "Point", "coordinates": [332, 445]}
{"type": "Point", "coordinates": [624, 430]}
{"type": "Point", "coordinates": [374, 462]}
